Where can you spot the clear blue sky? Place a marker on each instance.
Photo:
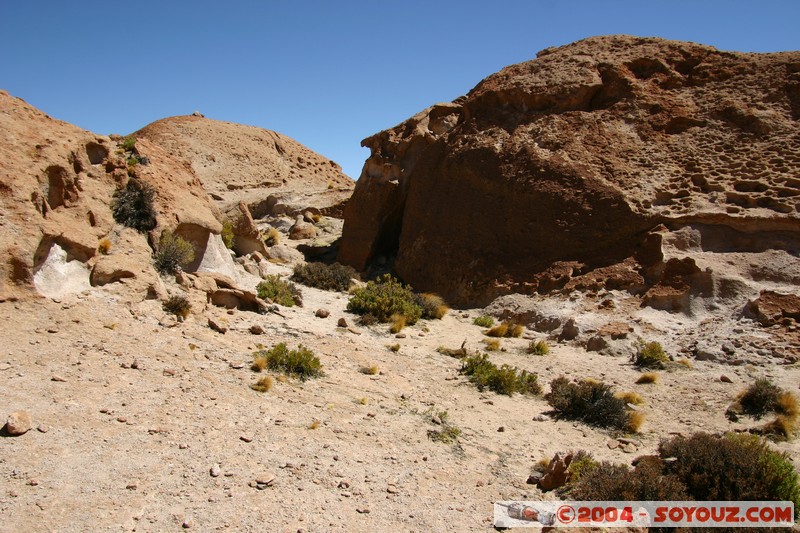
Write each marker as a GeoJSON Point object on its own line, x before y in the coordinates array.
{"type": "Point", "coordinates": [327, 73]}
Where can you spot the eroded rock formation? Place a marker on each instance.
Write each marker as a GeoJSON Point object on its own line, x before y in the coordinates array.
{"type": "Point", "coordinates": [640, 162]}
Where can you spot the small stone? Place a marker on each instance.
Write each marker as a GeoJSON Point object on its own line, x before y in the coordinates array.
{"type": "Point", "coordinates": [266, 479]}
{"type": "Point", "coordinates": [344, 484]}
{"type": "Point", "coordinates": [182, 446]}
{"type": "Point", "coordinates": [436, 420]}
{"type": "Point", "coordinates": [400, 336]}
{"type": "Point", "coordinates": [18, 423]}
{"type": "Point", "coordinates": [362, 510]}
{"type": "Point", "coordinates": [342, 323]}
{"type": "Point", "coordinates": [480, 483]}
{"type": "Point", "coordinates": [214, 470]}
{"type": "Point", "coordinates": [630, 448]}
{"type": "Point", "coordinates": [56, 377]}
{"type": "Point", "coordinates": [391, 489]}
{"type": "Point", "coordinates": [187, 523]}
{"type": "Point", "coordinates": [42, 428]}
{"type": "Point", "coordinates": [33, 482]}
{"type": "Point", "coordinates": [725, 379]}
{"type": "Point", "coordinates": [534, 478]}
{"type": "Point", "coordinates": [255, 329]}
{"type": "Point", "coordinates": [133, 485]}
{"type": "Point", "coordinates": [52, 330]}
{"type": "Point", "coordinates": [236, 365]}
{"type": "Point", "coordinates": [501, 429]}
{"type": "Point", "coordinates": [217, 325]}
{"type": "Point", "coordinates": [136, 365]}
{"type": "Point", "coordinates": [322, 313]}
{"type": "Point", "coordinates": [612, 444]}
{"type": "Point", "coordinates": [4, 366]}
{"type": "Point", "coordinates": [246, 438]}
{"type": "Point", "coordinates": [169, 371]}
{"type": "Point", "coordinates": [541, 418]}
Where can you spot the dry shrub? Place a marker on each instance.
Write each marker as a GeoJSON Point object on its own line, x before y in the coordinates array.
{"type": "Point", "coordinates": [433, 306]}
{"type": "Point", "coordinates": [647, 378]}
{"type": "Point", "coordinates": [591, 402]}
{"type": "Point", "coordinates": [539, 347]}
{"type": "Point", "coordinates": [650, 355]}
{"type": "Point", "coordinates": [104, 246]}
{"type": "Point", "coordinates": [133, 206]}
{"type": "Point", "coordinates": [764, 397]}
{"type": "Point", "coordinates": [502, 380]}
{"type": "Point", "coordinates": [398, 323]}
{"type": "Point", "coordinates": [262, 385]}
{"type": "Point", "coordinates": [178, 305]}
{"type": "Point", "coordinates": [173, 253]}
{"type": "Point", "coordinates": [610, 482]}
{"type": "Point", "coordinates": [272, 237]}
{"type": "Point", "coordinates": [394, 347]}
{"type": "Point", "coordinates": [335, 277]}
{"type": "Point", "coordinates": [370, 370]}
{"type": "Point", "coordinates": [492, 345]}
{"type": "Point", "coordinates": [630, 397]}
{"type": "Point", "coordinates": [506, 329]}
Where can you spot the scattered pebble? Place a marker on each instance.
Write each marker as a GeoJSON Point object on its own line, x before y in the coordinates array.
{"type": "Point", "coordinates": [56, 377]}
{"type": "Point", "coordinates": [725, 379]}
{"type": "Point", "coordinates": [42, 428]}
{"type": "Point", "coordinates": [501, 429]}
{"type": "Point", "coordinates": [342, 323]}
{"type": "Point", "coordinates": [214, 470]}
{"type": "Point", "coordinates": [362, 510]}
{"type": "Point", "coordinates": [255, 329]}
{"type": "Point", "coordinates": [246, 438]}
{"type": "Point", "coordinates": [322, 313]}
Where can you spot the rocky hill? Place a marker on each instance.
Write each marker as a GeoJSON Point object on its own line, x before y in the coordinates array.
{"type": "Point", "coordinates": [272, 173]}
{"type": "Point", "coordinates": [665, 168]}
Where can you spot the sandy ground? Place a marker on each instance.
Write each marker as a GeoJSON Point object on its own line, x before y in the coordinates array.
{"type": "Point", "coordinates": [180, 440]}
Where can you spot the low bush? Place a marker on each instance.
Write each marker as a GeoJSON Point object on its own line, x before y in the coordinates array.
{"type": "Point", "coordinates": [591, 402]}
{"type": "Point", "coordinates": [133, 206]}
{"type": "Point", "coordinates": [128, 143]}
{"type": "Point", "coordinates": [539, 347]}
{"type": "Point", "coordinates": [647, 378]}
{"type": "Point", "coordinates": [227, 234]}
{"type": "Point", "coordinates": [173, 253]}
{"type": "Point", "coordinates": [262, 385]}
{"type": "Point", "coordinates": [650, 355]}
{"type": "Point", "coordinates": [484, 321]}
{"type": "Point", "coordinates": [272, 237]}
{"type": "Point", "coordinates": [384, 298]}
{"type": "Point", "coordinates": [104, 246]}
{"type": "Point", "coordinates": [616, 482]}
{"type": "Point", "coordinates": [370, 370]}
{"type": "Point", "coordinates": [762, 397]}
{"type": "Point", "coordinates": [502, 380]}
{"type": "Point", "coordinates": [433, 306]}
{"type": "Point", "coordinates": [733, 467]}
{"type": "Point", "coordinates": [506, 329]}
{"type": "Point", "coordinates": [300, 363]}
{"type": "Point", "coordinates": [333, 277]}
{"type": "Point", "coordinates": [178, 305]}
{"type": "Point", "coordinates": [446, 435]}
{"type": "Point", "coordinates": [279, 291]}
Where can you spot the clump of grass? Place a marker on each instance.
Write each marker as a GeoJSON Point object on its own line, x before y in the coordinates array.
{"type": "Point", "coordinates": [591, 402]}
{"type": "Point", "coordinates": [506, 329]}
{"type": "Point", "coordinates": [335, 277]}
{"type": "Point", "coordinates": [262, 385]}
{"type": "Point", "coordinates": [632, 398]}
{"type": "Point", "coordinates": [458, 353]}
{"type": "Point", "coordinates": [647, 378]}
{"type": "Point", "coordinates": [398, 323]}
{"type": "Point", "coordinates": [650, 355]}
{"type": "Point", "coordinates": [370, 370]}
{"type": "Point", "coordinates": [433, 306]}
{"type": "Point", "coordinates": [538, 347]}
{"type": "Point", "coordinates": [178, 305]}
{"type": "Point", "coordinates": [781, 428]}
{"type": "Point", "coordinates": [279, 291]}
{"type": "Point", "coordinates": [447, 435]}
{"type": "Point", "coordinates": [227, 234]}
{"type": "Point", "coordinates": [173, 253]}
{"type": "Point", "coordinates": [300, 363]}
{"type": "Point", "coordinates": [259, 364]}
{"type": "Point", "coordinates": [128, 143]}
{"type": "Point", "coordinates": [132, 161]}
{"type": "Point", "coordinates": [484, 321]}
{"type": "Point", "coordinates": [272, 237]}
{"type": "Point", "coordinates": [363, 400]}
{"type": "Point", "coordinates": [394, 347]}
{"type": "Point", "coordinates": [384, 298]}
{"type": "Point", "coordinates": [133, 206]}
{"type": "Point", "coordinates": [314, 424]}
{"type": "Point", "coordinates": [104, 246]}
{"type": "Point", "coordinates": [492, 345]}
{"type": "Point", "coordinates": [685, 362]}
{"type": "Point", "coordinates": [502, 380]}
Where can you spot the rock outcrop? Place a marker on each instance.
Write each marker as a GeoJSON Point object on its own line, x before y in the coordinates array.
{"type": "Point", "coordinates": [271, 173]}
{"type": "Point", "coordinates": [57, 183]}
{"type": "Point", "coordinates": [647, 158]}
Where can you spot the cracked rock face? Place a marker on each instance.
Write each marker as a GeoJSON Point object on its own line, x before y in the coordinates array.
{"type": "Point", "coordinates": [592, 155]}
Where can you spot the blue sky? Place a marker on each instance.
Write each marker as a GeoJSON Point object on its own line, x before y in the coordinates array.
{"type": "Point", "coordinates": [327, 73]}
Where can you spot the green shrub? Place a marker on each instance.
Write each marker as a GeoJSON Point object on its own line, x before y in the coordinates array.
{"type": "Point", "coordinates": [591, 402]}
{"type": "Point", "coordinates": [433, 306]}
{"type": "Point", "coordinates": [128, 143]}
{"type": "Point", "coordinates": [447, 435]}
{"type": "Point", "coordinates": [616, 482]}
{"type": "Point", "coordinates": [227, 234]}
{"type": "Point", "coordinates": [650, 355]}
{"type": "Point", "coordinates": [132, 161]}
{"type": "Point", "coordinates": [383, 298]}
{"type": "Point", "coordinates": [484, 321]}
{"type": "Point", "coordinates": [300, 363]}
{"type": "Point", "coordinates": [279, 291]}
{"type": "Point", "coordinates": [760, 398]}
{"type": "Point", "coordinates": [133, 206]}
{"type": "Point", "coordinates": [178, 305]}
{"type": "Point", "coordinates": [732, 467]}
{"type": "Point", "coordinates": [173, 253]}
{"type": "Point", "coordinates": [333, 277]}
{"type": "Point", "coordinates": [581, 465]}
{"type": "Point", "coordinates": [503, 380]}
{"type": "Point", "coordinates": [539, 347]}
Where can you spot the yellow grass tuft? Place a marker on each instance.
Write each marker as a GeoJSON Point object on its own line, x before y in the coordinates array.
{"type": "Point", "coordinates": [787, 405]}
{"type": "Point", "coordinates": [646, 378]}
{"type": "Point", "coordinates": [262, 385]}
{"type": "Point", "coordinates": [492, 345]}
{"type": "Point", "coordinates": [498, 331]}
{"type": "Point", "coordinates": [104, 246]}
{"type": "Point", "coordinates": [314, 425]}
{"type": "Point", "coordinates": [781, 428]}
{"type": "Point", "coordinates": [630, 397]}
{"type": "Point", "coordinates": [398, 323]}
{"type": "Point", "coordinates": [685, 362]}
{"type": "Point", "coordinates": [370, 370]}
{"type": "Point", "coordinates": [259, 364]}
{"type": "Point", "coordinates": [635, 420]}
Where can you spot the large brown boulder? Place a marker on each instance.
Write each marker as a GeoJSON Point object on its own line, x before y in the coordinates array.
{"type": "Point", "coordinates": [564, 164]}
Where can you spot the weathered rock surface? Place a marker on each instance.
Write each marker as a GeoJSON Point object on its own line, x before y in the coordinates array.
{"type": "Point", "coordinates": [271, 173]}
{"type": "Point", "coordinates": [610, 151]}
